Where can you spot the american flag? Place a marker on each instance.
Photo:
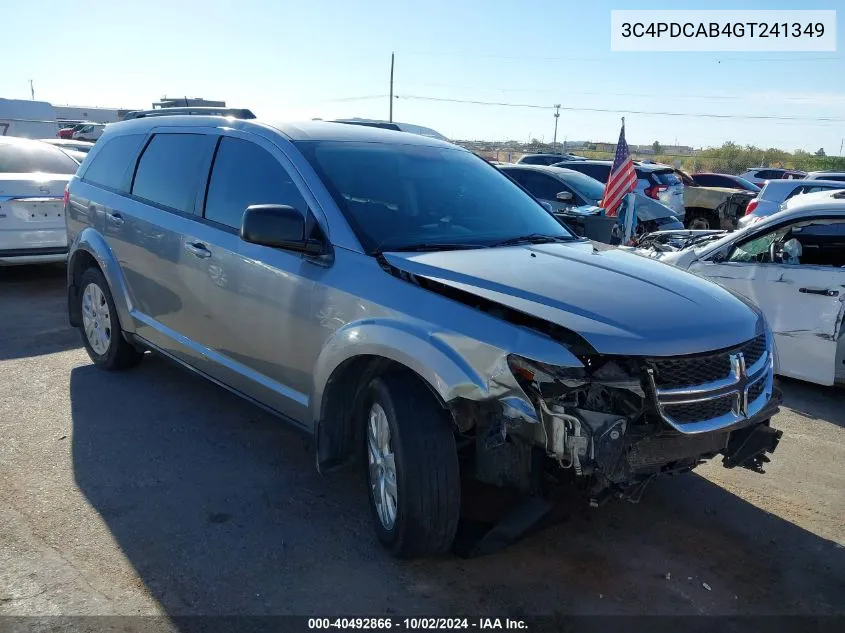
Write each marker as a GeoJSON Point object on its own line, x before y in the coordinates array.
{"type": "Point", "coordinates": [623, 177]}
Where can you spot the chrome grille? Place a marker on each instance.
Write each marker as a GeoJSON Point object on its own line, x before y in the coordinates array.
{"type": "Point", "coordinates": [700, 410]}
{"type": "Point", "coordinates": [673, 373]}
{"type": "Point", "coordinates": [704, 392]}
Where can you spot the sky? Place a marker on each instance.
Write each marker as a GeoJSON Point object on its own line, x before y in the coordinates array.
{"type": "Point", "coordinates": [330, 58]}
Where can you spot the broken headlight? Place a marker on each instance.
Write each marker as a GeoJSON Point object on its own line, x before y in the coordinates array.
{"type": "Point", "coordinates": [532, 375]}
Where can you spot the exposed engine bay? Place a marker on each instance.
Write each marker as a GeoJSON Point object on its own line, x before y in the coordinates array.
{"type": "Point", "coordinates": [600, 428]}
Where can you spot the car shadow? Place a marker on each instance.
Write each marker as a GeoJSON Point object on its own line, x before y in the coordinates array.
{"type": "Point", "coordinates": [218, 507]}
{"type": "Point", "coordinates": [814, 401]}
{"type": "Point", "coordinates": [33, 311]}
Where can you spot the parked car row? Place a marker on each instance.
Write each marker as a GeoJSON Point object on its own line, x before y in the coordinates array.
{"type": "Point", "coordinates": [85, 131]}
{"type": "Point", "coordinates": [414, 310]}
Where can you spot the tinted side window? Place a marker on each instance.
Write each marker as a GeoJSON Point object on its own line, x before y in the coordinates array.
{"type": "Point", "coordinates": [545, 187]}
{"type": "Point", "coordinates": [530, 160]}
{"type": "Point", "coordinates": [708, 181]}
{"type": "Point", "coordinates": [109, 168]}
{"type": "Point", "coordinates": [244, 174]}
{"type": "Point", "coordinates": [170, 169]}
{"type": "Point", "coordinates": [599, 172]}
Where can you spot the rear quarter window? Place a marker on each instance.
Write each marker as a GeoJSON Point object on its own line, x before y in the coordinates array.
{"type": "Point", "coordinates": [110, 167]}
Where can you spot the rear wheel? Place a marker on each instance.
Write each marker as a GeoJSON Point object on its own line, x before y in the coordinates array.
{"type": "Point", "coordinates": [101, 331]}
{"type": "Point", "coordinates": [412, 467]}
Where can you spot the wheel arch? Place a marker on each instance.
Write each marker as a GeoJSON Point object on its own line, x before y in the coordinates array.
{"type": "Point", "coordinates": [91, 249]}
{"type": "Point", "coordinates": [355, 355]}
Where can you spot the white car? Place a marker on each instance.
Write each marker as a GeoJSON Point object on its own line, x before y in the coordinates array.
{"type": "Point", "coordinates": [792, 265]}
{"type": "Point", "coordinates": [759, 175]}
{"type": "Point", "coordinates": [33, 177]}
{"type": "Point", "coordinates": [90, 132]}
{"type": "Point", "coordinates": [776, 192]}
{"type": "Point", "coordinates": [827, 175]}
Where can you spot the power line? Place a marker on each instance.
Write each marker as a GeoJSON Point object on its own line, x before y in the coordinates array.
{"type": "Point", "coordinates": [602, 93]}
{"type": "Point", "coordinates": [605, 59]}
{"type": "Point", "coordinates": [627, 111]}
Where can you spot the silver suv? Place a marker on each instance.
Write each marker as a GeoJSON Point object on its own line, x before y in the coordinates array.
{"type": "Point", "coordinates": [405, 303]}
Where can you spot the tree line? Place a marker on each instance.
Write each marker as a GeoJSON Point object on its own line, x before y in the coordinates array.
{"type": "Point", "coordinates": [732, 158]}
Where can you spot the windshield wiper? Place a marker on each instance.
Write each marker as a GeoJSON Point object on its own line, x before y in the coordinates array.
{"type": "Point", "coordinates": [432, 246]}
{"type": "Point", "coordinates": [534, 238]}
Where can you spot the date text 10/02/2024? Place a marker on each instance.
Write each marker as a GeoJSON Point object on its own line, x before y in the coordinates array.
{"type": "Point", "coordinates": [417, 624]}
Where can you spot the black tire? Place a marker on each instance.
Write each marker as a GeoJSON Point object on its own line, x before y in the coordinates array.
{"type": "Point", "coordinates": [428, 499]}
{"type": "Point", "coordinates": [700, 221]}
{"type": "Point", "coordinates": [119, 354]}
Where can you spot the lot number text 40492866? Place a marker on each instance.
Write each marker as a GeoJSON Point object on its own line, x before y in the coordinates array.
{"type": "Point", "coordinates": [418, 624]}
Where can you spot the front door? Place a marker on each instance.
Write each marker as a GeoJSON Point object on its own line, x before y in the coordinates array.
{"type": "Point", "coordinates": [803, 297]}
{"type": "Point", "coordinates": [253, 303]}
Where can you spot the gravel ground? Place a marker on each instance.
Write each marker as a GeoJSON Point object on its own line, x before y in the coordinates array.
{"type": "Point", "coordinates": [155, 492]}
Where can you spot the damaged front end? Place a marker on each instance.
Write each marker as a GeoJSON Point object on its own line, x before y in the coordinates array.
{"type": "Point", "coordinates": [614, 424]}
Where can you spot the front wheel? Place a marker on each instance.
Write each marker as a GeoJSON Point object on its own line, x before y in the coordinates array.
{"type": "Point", "coordinates": [413, 476]}
{"type": "Point", "coordinates": [101, 331]}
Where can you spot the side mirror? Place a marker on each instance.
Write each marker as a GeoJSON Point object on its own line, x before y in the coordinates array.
{"type": "Point", "coordinates": [279, 226]}
{"type": "Point", "coordinates": [546, 206]}
{"type": "Point", "coordinates": [564, 196]}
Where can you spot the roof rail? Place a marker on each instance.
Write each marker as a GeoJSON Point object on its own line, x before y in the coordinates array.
{"type": "Point", "coordinates": [237, 113]}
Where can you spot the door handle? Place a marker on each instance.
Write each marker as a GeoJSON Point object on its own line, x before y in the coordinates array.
{"type": "Point", "coordinates": [819, 291]}
{"type": "Point", "coordinates": [116, 218]}
{"type": "Point", "coordinates": [198, 249]}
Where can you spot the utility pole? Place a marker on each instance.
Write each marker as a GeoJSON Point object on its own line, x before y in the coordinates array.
{"type": "Point", "coordinates": [841, 143]}
{"type": "Point", "coordinates": [32, 89]}
{"type": "Point", "coordinates": [392, 55]}
{"type": "Point", "coordinates": [557, 115]}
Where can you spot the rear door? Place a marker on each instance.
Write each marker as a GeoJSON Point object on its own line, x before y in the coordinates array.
{"type": "Point", "coordinates": [803, 302]}
{"type": "Point", "coordinates": [146, 232]}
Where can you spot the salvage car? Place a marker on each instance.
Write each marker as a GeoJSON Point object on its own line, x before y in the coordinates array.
{"type": "Point", "coordinates": [792, 265]}
{"type": "Point", "coordinates": [408, 306]}
{"type": "Point", "coordinates": [709, 207]}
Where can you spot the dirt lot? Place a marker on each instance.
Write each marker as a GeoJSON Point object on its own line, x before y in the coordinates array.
{"type": "Point", "coordinates": [154, 492]}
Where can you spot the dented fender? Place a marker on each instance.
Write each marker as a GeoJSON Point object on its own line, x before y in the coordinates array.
{"type": "Point", "coordinates": [454, 365]}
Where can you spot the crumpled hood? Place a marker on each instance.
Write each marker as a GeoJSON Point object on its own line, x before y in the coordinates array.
{"type": "Point", "coordinates": [618, 302]}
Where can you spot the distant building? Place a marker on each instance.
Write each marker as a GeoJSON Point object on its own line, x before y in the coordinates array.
{"type": "Point", "coordinates": [88, 113]}
{"type": "Point", "coordinates": [188, 102]}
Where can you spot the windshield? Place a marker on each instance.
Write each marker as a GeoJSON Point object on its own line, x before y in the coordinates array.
{"type": "Point", "coordinates": [27, 158]}
{"type": "Point", "coordinates": [398, 196]}
{"type": "Point", "coordinates": [589, 188]}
